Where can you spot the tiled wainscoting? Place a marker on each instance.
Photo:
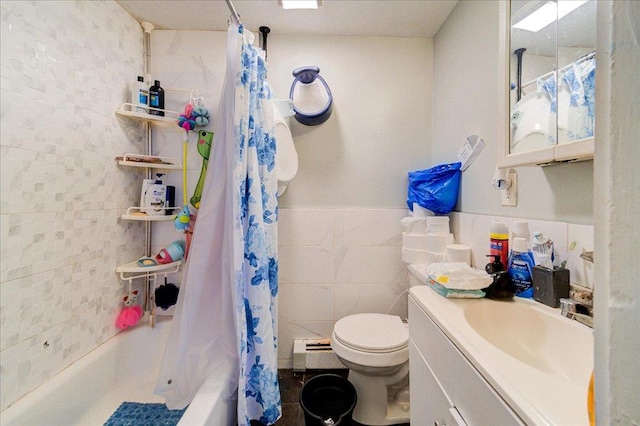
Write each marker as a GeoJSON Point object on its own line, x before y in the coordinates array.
{"type": "Point", "coordinates": [338, 262]}
{"type": "Point", "coordinates": [334, 263]}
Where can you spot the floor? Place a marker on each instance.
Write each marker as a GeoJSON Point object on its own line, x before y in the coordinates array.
{"type": "Point", "coordinates": [290, 385]}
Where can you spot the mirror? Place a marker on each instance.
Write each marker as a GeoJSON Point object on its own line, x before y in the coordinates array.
{"type": "Point", "coordinates": [551, 73]}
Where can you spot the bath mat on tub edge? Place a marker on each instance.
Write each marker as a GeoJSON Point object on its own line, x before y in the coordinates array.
{"type": "Point", "coordinates": [144, 414]}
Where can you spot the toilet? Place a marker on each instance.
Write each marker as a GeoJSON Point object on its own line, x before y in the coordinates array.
{"type": "Point", "coordinates": [286, 155]}
{"type": "Point", "coordinates": [375, 349]}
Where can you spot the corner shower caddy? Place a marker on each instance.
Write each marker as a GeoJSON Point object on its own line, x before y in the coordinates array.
{"type": "Point", "coordinates": [130, 271]}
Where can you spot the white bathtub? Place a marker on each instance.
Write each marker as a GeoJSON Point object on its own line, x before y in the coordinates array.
{"type": "Point", "coordinates": [125, 368]}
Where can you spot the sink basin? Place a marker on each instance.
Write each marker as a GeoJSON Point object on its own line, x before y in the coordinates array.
{"type": "Point", "coordinates": [538, 361]}
{"type": "Point", "coordinates": [536, 337]}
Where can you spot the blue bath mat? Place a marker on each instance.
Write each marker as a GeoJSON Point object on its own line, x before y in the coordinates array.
{"type": "Point", "coordinates": [139, 414]}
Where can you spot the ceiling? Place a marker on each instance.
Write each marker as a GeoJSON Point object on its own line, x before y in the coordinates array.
{"type": "Point", "coordinates": [392, 18]}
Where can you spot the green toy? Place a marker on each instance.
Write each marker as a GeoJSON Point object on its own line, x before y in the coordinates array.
{"type": "Point", "coordinates": [205, 140]}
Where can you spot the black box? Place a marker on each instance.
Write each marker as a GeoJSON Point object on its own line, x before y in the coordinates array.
{"type": "Point", "coordinates": [549, 286]}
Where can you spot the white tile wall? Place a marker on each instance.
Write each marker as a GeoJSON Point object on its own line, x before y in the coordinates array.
{"type": "Point", "coordinates": [334, 263]}
{"type": "Point", "coordinates": [65, 69]}
{"type": "Point", "coordinates": [338, 262]}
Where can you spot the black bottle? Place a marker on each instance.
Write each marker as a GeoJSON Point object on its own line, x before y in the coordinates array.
{"type": "Point", "coordinates": [156, 98]}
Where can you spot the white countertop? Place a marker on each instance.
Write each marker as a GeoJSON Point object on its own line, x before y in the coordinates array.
{"type": "Point", "coordinates": [538, 361]}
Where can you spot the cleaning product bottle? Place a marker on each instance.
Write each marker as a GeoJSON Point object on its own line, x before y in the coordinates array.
{"type": "Point", "coordinates": [520, 268]}
{"type": "Point", "coordinates": [140, 95]}
{"type": "Point", "coordinates": [156, 98]}
{"type": "Point", "coordinates": [499, 240]}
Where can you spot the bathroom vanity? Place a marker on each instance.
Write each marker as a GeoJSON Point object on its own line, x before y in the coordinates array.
{"type": "Point", "coordinates": [481, 362]}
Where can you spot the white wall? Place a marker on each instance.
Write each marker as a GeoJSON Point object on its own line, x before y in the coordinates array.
{"type": "Point", "coordinates": [65, 70]}
{"type": "Point", "coordinates": [617, 310]}
{"type": "Point", "coordinates": [465, 98]}
{"type": "Point", "coordinates": [379, 129]}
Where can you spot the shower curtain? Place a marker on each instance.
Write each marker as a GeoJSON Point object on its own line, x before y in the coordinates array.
{"type": "Point", "coordinates": [223, 329]}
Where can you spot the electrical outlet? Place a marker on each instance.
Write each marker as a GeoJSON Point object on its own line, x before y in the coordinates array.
{"type": "Point", "coordinates": [510, 195]}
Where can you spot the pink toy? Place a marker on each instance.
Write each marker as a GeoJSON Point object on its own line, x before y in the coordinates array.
{"type": "Point", "coordinates": [130, 314]}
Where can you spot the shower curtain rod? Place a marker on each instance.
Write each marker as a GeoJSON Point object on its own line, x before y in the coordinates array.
{"type": "Point", "coordinates": [234, 14]}
{"type": "Point", "coordinates": [566, 67]}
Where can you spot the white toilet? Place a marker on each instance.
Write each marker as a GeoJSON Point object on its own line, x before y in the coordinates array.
{"type": "Point", "coordinates": [375, 348]}
{"type": "Point", "coordinates": [286, 155]}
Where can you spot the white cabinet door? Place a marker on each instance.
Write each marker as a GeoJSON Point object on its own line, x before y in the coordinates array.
{"type": "Point", "coordinates": [429, 403]}
{"type": "Point", "coordinates": [464, 387]}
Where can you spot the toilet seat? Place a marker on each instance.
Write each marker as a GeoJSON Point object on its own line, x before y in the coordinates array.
{"type": "Point", "coordinates": [373, 333]}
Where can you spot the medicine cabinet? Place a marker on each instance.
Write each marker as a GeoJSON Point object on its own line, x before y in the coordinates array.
{"type": "Point", "coordinates": [549, 81]}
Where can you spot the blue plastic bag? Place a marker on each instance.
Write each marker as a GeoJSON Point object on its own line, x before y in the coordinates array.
{"type": "Point", "coordinates": [436, 188]}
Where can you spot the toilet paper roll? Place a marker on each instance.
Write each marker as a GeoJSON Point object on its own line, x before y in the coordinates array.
{"type": "Point", "coordinates": [437, 243]}
{"type": "Point", "coordinates": [457, 253]}
{"type": "Point", "coordinates": [414, 225]}
{"type": "Point", "coordinates": [414, 241]}
{"type": "Point", "coordinates": [438, 225]}
{"type": "Point", "coordinates": [434, 257]}
{"type": "Point", "coordinates": [415, 257]}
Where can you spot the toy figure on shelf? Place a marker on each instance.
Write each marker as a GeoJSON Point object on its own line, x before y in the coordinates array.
{"type": "Point", "coordinates": [130, 313]}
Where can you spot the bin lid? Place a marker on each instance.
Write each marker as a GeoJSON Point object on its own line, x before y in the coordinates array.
{"type": "Point", "coordinates": [372, 332]}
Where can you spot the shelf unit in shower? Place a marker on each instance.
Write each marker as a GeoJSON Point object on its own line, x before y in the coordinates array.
{"type": "Point", "coordinates": [147, 163]}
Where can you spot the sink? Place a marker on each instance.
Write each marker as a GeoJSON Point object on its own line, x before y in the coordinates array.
{"type": "Point", "coordinates": [535, 337]}
{"type": "Point", "coordinates": [538, 361]}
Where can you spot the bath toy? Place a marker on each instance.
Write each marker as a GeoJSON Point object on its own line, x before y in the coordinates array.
{"type": "Point", "coordinates": [182, 219]}
{"type": "Point", "coordinates": [205, 140]}
{"type": "Point", "coordinates": [130, 313]}
{"type": "Point", "coordinates": [172, 253]}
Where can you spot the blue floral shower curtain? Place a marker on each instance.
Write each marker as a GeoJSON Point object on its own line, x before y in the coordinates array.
{"type": "Point", "coordinates": [223, 333]}
{"type": "Point", "coordinates": [255, 210]}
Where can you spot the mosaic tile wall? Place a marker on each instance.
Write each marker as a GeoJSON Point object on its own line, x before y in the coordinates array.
{"type": "Point", "coordinates": [65, 69]}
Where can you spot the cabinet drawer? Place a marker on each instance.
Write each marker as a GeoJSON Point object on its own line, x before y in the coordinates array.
{"type": "Point", "coordinates": [477, 402]}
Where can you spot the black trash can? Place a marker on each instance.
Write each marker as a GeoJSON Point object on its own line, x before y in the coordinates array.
{"type": "Point", "coordinates": [328, 399]}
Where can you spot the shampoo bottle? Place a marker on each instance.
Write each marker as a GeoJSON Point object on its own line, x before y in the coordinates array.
{"type": "Point", "coordinates": [140, 95]}
{"type": "Point", "coordinates": [156, 98]}
{"type": "Point", "coordinates": [520, 268]}
{"type": "Point", "coordinates": [499, 240]}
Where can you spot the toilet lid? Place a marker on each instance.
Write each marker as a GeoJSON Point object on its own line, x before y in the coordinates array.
{"type": "Point", "coordinates": [372, 332]}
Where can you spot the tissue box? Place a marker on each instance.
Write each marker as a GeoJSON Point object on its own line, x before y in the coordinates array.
{"type": "Point", "coordinates": [549, 286]}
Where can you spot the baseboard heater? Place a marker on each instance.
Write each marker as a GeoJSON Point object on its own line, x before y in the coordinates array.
{"type": "Point", "coordinates": [314, 355]}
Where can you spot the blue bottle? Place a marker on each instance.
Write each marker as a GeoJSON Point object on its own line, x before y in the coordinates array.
{"type": "Point", "coordinates": [520, 268]}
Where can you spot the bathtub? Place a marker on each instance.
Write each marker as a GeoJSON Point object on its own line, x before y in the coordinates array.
{"type": "Point", "coordinates": [122, 369]}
